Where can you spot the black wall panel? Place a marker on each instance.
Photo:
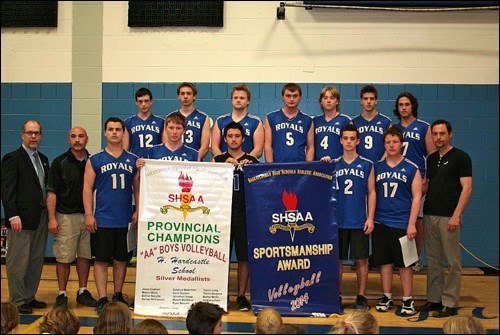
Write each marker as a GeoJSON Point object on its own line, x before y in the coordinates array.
{"type": "Point", "coordinates": [16, 14]}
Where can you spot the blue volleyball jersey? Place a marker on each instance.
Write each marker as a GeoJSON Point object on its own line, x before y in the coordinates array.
{"type": "Point", "coordinates": [113, 188]}
{"type": "Point", "coordinates": [371, 143]}
{"type": "Point", "coordinates": [394, 197]}
{"type": "Point", "coordinates": [289, 136]}
{"type": "Point", "coordinates": [327, 135]}
{"type": "Point", "coordinates": [414, 143]}
{"type": "Point", "coordinates": [143, 134]}
{"type": "Point", "coordinates": [352, 186]}
{"type": "Point", "coordinates": [249, 122]}
{"type": "Point", "coordinates": [194, 127]}
{"type": "Point", "coordinates": [184, 153]}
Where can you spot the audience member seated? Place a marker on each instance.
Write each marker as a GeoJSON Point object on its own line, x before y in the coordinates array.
{"type": "Point", "coordinates": [268, 321]}
{"type": "Point", "coordinates": [204, 318]}
{"type": "Point", "coordinates": [290, 329]}
{"type": "Point", "coordinates": [356, 322]}
{"type": "Point", "coordinates": [463, 324]}
{"type": "Point", "coordinates": [10, 317]}
{"type": "Point", "coordinates": [115, 318]}
{"type": "Point", "coordinates": [60, 320]}
{"type": "Point", "coordinates": [149, 326]}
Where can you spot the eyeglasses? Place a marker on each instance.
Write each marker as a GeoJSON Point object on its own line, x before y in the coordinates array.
{"type": "Point", "coordinates": [31, 133]}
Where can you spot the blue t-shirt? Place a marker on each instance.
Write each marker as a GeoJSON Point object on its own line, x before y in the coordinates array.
{"type": "Point", "coordinates": [352, 186]}
{"type": "Point", "coordinates": [194, 127]}
{"type": "Point", "coordinates": [113, 188]}
{"type": "Point", "coordinates": [327, 135]}
{"type": "Point", "coordinates": [394, 196]}
{"type": "Point", "coordinates": [249, 122]}
{"type": "Point", "coordinates": [289, 136]}
{"type": "Point", "coordinates": [143, 134]}
{"type": "Point", "coordinates": [371, 143]}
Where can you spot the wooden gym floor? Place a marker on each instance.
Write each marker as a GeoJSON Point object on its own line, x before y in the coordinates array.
{"type": "Point", "coordinates": [478, 291]}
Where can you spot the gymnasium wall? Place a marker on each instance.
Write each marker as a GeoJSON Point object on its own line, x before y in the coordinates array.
{"type": "Point", "coordinates": [89, 67]}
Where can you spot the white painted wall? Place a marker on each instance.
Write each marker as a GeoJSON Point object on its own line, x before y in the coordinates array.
{"type": "Point", "coordinates": [31, 55]}
{"type": "Point", "coordinates": [316, 46]}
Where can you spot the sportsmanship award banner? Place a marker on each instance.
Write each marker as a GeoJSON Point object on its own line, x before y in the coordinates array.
{"type": "Point", "coordinates": [292, 238]}
{"type": "Point", "coordinates": [183, 236]}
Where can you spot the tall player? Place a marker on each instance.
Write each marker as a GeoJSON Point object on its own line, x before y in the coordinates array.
{"type": "Point", "coordinates": [254, 131]}
{"type": "Point", "coordinates": [371, 125]}
{"type": "Point", "coordinates": [328, 126]}
{"type": "Point", "coordinates": [111, 176]}
{"type": "Point", "coordinates": [356, 199]}
{"type": "Point", "coordinates": [417, 146]}
{"type": "Point", "coordinates": [144, 129]}
{"type": "Point", "coordinates": [197, 134]}
{"type": "Point", "coordinates": [289, 133]}
{"type": "Point", "coordinates": [399, 193]}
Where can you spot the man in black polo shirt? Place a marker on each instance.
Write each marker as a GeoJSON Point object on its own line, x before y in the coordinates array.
{"type": "Point", "coordinates": [449, 176]}
{"type": "Point", "coordinates": [66, 217]}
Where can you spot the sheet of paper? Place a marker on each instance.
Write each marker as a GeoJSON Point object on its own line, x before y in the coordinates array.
{"type": "Point", "coordinates": [131, 238]}
{"type": "Point", "coordinates": [409, 249]}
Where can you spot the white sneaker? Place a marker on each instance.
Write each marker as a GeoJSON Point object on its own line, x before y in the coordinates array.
{"type": "Point", "coordinates": [384, 304]}
{"type": "Point", "coordinates": [408, 307]}
{"type": "Point", "coordinates": [417, 266]}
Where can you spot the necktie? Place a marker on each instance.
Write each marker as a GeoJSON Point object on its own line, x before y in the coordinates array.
{"type": "Point", "coordinates": [40, 172]}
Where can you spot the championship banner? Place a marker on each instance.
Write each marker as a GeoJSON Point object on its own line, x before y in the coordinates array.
{"type": "Point", "coordinates": [183, 236]}
{"type": "Point", "coordinates": [292, 238]}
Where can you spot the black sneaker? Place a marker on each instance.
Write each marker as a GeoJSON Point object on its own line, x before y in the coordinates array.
{"type": "Point", "coordinates": [132, 305]}
{"type": "Point", "coordinates": [243, 303]}
{"type": "Point", "coordinates": [61, 301]}
{"type": "Point", "coordinates": [86, 299]}
{"type": "Point", "coordinates": [100, 304]}
{"type": "Point", "coordinates": [119, 297]}
{"type": "Point", "coordinates": [408, 307]}
{"type": "Point", "coordinates": [361, 303]}
{"type": "Point", "coordinates": [384, 304]}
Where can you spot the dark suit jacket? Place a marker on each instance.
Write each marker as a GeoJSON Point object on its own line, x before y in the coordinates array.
{"type": "Point", "coordinates": [22, 193]}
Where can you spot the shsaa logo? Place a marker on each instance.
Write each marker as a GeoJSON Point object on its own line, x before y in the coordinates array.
{"type": "Point", "coordinates": [290, 220]}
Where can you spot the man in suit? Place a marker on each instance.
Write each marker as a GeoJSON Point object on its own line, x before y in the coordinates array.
{"type": "Point", "coordinates": [24, 176]}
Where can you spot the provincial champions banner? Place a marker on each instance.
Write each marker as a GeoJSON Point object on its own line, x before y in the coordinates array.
{"type": "Point", "coordinates": [183, 236]}
{"type": "Point", "coordinates": [292, 238]}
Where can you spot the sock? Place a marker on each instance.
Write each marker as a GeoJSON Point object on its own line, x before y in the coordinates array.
{"type": "Point", "coordinates": [81, 290]}
{"type": "Point", "coordinates": [388, 295]}
{"type": "Point", "coordinates": [63, 292]}
{"type": "Point", "coordinates": [407, 298]}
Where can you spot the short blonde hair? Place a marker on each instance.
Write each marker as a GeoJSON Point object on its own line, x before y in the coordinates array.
{"type": "Point", "coordinates": [60, 320]}
{"type": "Point", "coordinates": [115, 318]}
{"type": "Point", "coordinates": [356, 322]}
{"type": "Point", "coordinates": [268, 321]}
{"type": "Point", "coordinates": [463, 324]}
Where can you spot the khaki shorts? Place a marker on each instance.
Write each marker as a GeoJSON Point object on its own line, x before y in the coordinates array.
{"type": "Point", "coordinates": [73, 240]}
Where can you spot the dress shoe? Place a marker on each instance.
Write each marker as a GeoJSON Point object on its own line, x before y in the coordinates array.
{"type": "Point", "coordinates": [24, 309]}
{"type": "Point", "coordinates": [37, 304]}
{"type": "Point", "coordinates": [431, 306]}
{"type": "Point", "coordinates": [445, 312]}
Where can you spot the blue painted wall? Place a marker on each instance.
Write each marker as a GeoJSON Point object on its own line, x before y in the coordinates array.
{"type": "Point", "coordinates": [472, 110]}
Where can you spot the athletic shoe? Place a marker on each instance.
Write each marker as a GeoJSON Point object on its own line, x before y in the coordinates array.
{"type": "Point", "coordinates": [384, 304]}
{"type": "Point", "coordinates": [361, 303]}
{"type": "Point", "coordinates": [417, 266]}
{"type": "Point", "coordinates": [132, 306]}
{"type": "Point", "coordinates": [100, 305]}
{"type": "Point", "coordinates": [408, 307]}
{"type": "Point", "coordinates": [85, 298]}
{"type": "Point", "coordinates": [61, 301]}
{"type": "Point", "coordinates": [133, 260]}
{"type": "Point", "coordinates": [243, 303]}
{"type": "Point", "coordinates": [119, 298]}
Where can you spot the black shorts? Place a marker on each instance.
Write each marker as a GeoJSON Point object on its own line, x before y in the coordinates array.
{"type": "Point", "coordinates": [356, 240]}
{"type": "Point", "coordinates": [386, 248]}
{"type": "Point", "coordinates": [110, 244]}
{"type": "Point", "coordinates": [239, 236]}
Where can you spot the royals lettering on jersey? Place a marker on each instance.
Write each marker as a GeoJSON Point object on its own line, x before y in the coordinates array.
{"type": "Point", "coordinates": [143, 127]}
{"type": "Point", "coordinates": [414, 143]}
{"type": "Point", "coordinates": [113, 187]}
{"type": "Point", "coordinates": [289, 136]}
{"type": "Point", "coordinates": [371, 144]}
{"type": "Point", "coordinates": [394, 196]}
{"type": "Point", "coordinates": [352, 186]}
{"type": "Point", "coordinates": [327, 135]}
{"type": "Point", "coordinates": [144, 134]}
